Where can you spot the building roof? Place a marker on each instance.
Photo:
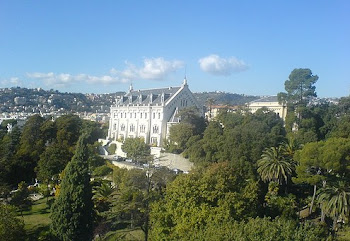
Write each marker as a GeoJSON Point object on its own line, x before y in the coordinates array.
{"type": "Point", "coordinates": [148, 96]}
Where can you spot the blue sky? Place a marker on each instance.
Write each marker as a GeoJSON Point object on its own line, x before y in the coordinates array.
{"type": "Point", "coordinates": [246, 47]}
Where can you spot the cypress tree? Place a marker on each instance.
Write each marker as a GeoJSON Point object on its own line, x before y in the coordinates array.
{"type": "Point", "coordinates": [72, 212]}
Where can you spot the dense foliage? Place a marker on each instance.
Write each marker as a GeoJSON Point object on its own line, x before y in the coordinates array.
{"type": "Point", "coordinates": [11, 227]}
{"type": "Point", "coordinates": [72, 212]}
{"type": "Point", "coordinates": [255, 177]}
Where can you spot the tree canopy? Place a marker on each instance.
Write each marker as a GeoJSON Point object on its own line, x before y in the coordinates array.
{"type": "Point", "coordinates": [72, 212]}
{"type": "Point", "coordinates": [299, 86]}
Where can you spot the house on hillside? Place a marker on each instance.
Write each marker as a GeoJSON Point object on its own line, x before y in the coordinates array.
{"type": "Point", "coordinates": [149, 113]}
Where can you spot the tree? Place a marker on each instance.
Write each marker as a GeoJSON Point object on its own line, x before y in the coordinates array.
{"type": "Point", "coordinates": [20, 198]}
{"type": "Point", "coordinates": [68, 130]}
{"type": "Point", "coordinates": [221, 193]}
{"type": "Point", "coordinates": [137, 149]}
{"type": "Point", "coordinates": [179, 134]}
{"type": "Point", "coordinates": [52, 162]}
{"type": "Point", "coordinates": [191, 124]}
{"type": "Point", "coordinates": [102, 196]}
{"type": "Point", "coordinates": [273, 166]}
{"type": "Point", "coordinates": [319, 162]}
{"type": "Point", "coordinates": [31, 146]}
{"type": "Point", "coordinates": [336, 201]}
{"type": "Point", "coordinates": [11, 228]}
{"type": "Point", "coordinates": [72, 212]}
{"type": "Point", "coordinates": [210, 103]}
{"type": "Point", "coordinates": [9, 145]}
{"type": "Point", "coordinates": [299, 86]}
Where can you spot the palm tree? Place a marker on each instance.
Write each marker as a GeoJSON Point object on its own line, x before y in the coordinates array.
{"type": "Point", "coordinates": [273, 166]}
{"type": "Point", "coordinates": [289, 147]}
{"type": "Point", "coordinates": [102, 196]}
{"type": "Point", "coordinates": [335, 201]}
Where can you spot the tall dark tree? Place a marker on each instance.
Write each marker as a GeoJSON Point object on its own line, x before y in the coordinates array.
{"type": "Point", "coordinates": [299, 86]}
{"type": "Point", "coordinates": [31, 146]}
{"type": "Point", "coordinates": [9, 174]}
{"type": "Point", "coordinates": [72, 212]}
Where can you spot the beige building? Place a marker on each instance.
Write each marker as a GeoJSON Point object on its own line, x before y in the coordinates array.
{"type": "Point", "coordinates": [271, 103]}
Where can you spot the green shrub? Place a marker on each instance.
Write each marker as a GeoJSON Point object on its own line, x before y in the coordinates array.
{"type": "Point", "coordinates": [102, 171]}
{"type": "Point", "coordinates": [112, 148]}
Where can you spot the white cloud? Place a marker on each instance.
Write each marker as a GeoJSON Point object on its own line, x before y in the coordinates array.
{"type": "Point", "coordinates": [13, 81]}
{"type": "Point", "coordinates": [158, 68]}
{"type": "Point", "coordinates": [152, 69]}
{"type": "Point", "coordinates": [52, 79]}
{"type": "Point", "coordinates": [216, 65]}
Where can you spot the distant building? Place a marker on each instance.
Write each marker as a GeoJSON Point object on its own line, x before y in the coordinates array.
{"type": "Point", "coordinates": [271, 103]}
{"type": "Point", "coordinates": [149, 113]}
{"type": "Point", "coordinates": [213, 111]}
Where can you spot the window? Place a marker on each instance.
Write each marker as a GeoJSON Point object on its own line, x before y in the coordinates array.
{"type": "Point", "coordinates": [155, 129]}
{"type": "Point", "coordinates": [154, 115]}
{"type": "Point", "coordinates": [134, 115]}
{"type": "Point", "coordinates": [125, 115]}
{"type": "Point", "coordinates": [158, 115]}
{"type": "Point", "coordinates": [115, 115]}
{"type": "Point", "coordinates": [142, 129]}
{"type": "Point", "coordinates": [130, 115]}
{"type": "Point", "coordinates": [132, 128]}
{"type": "Point", "coordinates": [141, 115]}
{"type": "Point", "coordinates": [154, 140]}
{"type": "Point", "coordinates": [122, 127]}
{"type": "Point", "coordinates": [114, 126]}
{"type": "Point", "coordinates": [145, 115]}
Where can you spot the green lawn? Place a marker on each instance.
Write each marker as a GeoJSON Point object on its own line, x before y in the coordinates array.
{"type": "Point", "coordinates": [125, 234]}
{"type": "Point", "coordinates": [37, 219]}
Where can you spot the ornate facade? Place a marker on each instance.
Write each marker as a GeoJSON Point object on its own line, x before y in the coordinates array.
{"type": "Point", "coordinates": [149, 113]}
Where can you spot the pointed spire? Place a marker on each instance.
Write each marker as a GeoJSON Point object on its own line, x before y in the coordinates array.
{"type": "Point", "coordinates": [131, 88]}
{"type": "Point", "coordinates": [185, 81]}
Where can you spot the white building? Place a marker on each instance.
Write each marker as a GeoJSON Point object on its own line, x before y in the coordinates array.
{"type": "Point", "coordinates": [149, 113]}
{"type": "Point", "coordinates": [271, 103]}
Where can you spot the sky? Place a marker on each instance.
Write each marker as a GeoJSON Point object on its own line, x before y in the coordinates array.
{"type": "Point", "coordinates": [244, 47]}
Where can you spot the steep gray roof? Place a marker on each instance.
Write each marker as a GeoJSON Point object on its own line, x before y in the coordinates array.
{"type": "Point", "coordinates": [149, 96]}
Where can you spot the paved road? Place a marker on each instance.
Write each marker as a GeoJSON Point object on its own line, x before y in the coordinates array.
{"type": "Point", "coordinates": [169, 160]}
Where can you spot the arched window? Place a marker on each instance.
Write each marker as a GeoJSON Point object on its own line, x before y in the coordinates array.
{"type": "Point", "coordinates": [155, 129]}
{"type": "Point", "coordinates": [142, 129]}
